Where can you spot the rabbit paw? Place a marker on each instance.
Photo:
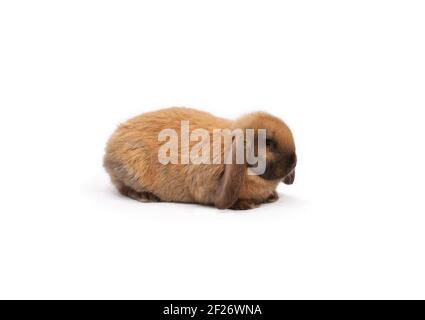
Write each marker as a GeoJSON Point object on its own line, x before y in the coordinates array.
{"type": "Point", "coordinates": [272, 198]}
{"type": "Point", "coordinates": [142, 196]}
{"type": "Point", "coordinates": [244, 205]}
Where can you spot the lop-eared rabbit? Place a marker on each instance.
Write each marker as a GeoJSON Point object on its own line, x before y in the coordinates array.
{"type": "Point", "coordinates": [132, 162]}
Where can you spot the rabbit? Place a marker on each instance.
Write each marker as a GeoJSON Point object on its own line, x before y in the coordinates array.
{"type": "Point", "coordinates": [131, 159]}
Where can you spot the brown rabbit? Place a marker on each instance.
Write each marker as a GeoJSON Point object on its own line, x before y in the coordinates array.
{"type": "Point", "coordinates": [131, 159]}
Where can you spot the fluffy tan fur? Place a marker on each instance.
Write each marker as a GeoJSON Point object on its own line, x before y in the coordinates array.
{"type": "Point", "coordinates": [131, 160]}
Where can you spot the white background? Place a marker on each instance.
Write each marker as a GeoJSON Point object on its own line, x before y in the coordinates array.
{"type": "Point", "coordinates": [347, 76]}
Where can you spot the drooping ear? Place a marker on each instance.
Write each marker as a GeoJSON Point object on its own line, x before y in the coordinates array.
{"type": "Point", "coordinates": [290, 178]}
{"type": "Point", "coordinates": [231, 183]}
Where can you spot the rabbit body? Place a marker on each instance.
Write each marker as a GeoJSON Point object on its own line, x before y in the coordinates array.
{"type": "Point", "coordinates": [131, 160]}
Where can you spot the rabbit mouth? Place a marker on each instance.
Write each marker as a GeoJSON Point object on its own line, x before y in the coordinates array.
{"type": "Point", "coordinates": [290, 178]}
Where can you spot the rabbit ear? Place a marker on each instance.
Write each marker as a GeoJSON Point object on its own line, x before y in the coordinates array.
{"type": "Point", "coordinates": [231, 182]}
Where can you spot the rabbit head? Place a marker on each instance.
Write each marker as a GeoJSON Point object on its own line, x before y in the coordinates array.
{"type": "Point", "coordinates": [280, 156]}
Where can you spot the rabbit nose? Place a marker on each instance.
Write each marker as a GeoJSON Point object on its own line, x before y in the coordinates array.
{"type": "Point", "coordinates": [289, 179]}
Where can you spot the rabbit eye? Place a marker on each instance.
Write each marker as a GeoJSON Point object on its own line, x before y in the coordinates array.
{"type": "Point", "coordinates": [270, 143]}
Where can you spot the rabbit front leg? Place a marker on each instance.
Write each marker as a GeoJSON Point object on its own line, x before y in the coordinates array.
{"type": "Point", "coordinates": [272, 198]}
{"type": "Point", "coordinates": [243, 204]}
